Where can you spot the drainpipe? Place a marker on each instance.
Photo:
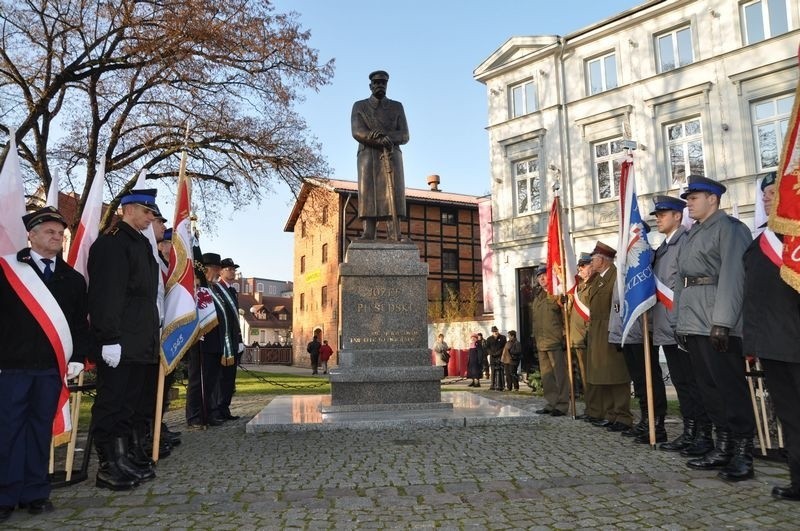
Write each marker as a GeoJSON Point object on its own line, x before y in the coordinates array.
{"type": "Point", "coordinates": [563, 121]}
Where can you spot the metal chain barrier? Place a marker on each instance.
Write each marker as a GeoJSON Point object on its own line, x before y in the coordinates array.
{"type": "Point", "coordinates": [283, 385]}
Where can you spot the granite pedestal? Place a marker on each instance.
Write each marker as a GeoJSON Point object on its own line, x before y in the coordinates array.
{"type": "Point", "coordinates": [384, 362]}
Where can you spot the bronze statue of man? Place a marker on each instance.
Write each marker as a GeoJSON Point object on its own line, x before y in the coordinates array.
{"type": "Point", "coordinates": [379, 125]}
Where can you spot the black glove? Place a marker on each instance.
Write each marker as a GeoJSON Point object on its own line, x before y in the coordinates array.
{"type": "Point", "coordinates": [681, 340]}
{"type": "Point", "coordinates": [617, 346]}
{"type": "Point", "coordinates": [719, 338]}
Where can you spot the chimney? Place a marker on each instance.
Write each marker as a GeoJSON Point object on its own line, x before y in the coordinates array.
{"type": "Point", "coordinates": [433, 182]}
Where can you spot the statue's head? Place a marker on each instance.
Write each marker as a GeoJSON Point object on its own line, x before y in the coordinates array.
{"type": "Point", "coordinates": [378, 81]}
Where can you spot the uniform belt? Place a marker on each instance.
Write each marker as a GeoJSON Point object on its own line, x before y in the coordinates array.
{"type": "Point", "coordinates": [699, 281]}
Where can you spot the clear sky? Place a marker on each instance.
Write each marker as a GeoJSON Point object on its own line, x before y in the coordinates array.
{"type": "Point", "coordinates": [430, 49]}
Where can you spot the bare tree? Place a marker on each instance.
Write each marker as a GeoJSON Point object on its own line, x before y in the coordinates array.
{"type": "Point", "coordinates": [128, 79]}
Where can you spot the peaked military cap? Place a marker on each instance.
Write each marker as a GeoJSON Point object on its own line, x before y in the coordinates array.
{"type": "Point", "coordinates": [768, 179]}
{"type": "Point", "coordinates": [212, 259]}
{"type": "Point", "coordinates": [541, 269]}
{"type": "Point", "coordinates": [604, 250]}
{"type": "Point", "coordinates": [228, 262]}
{"type": "Point", "coordinates": [159, 215]}
{"type": "Point", "coordinates": [379, 74]}
{"type": "Point", "coordinates": [666, 202]}
{"type": "Point", "coordinates": [37, 217]}
{"type": "Point", "coordinates": [143, 196]}
{"type": "Point", "coordinates": [584, 258]}
{"type": "Point", "coordinates": [698, 183]}
{"type": "Point", "coordinates": [168, 235]}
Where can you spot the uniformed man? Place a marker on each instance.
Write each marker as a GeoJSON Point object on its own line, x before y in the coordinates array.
{"type": "Point", "coordinates": [379, 125]}
{"type": "Point", "coordinates": [32, 364]}
{"type": "Point", "coordinates": [494, 345]}
{"type": "Point", "coordinates": [548, 331]}
{"type": "Point", "coordinates": [577, 334]}
{"type": "Point", "coordinates": [230, 298]}
{"type": "Point", "coordinates": [771, 331]}
{"type": "Point", "coordinates": [696, 437]}
{"type": "Point", "coordinates": [708, 298]}
{"type": "Point", "coordinates": [605, 365]}
{"type": "Point", "coordinates": [125, 325]}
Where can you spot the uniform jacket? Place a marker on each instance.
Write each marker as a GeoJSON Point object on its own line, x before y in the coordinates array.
{"type": "Point", "coordinates": [548, 324]}
{"type": "Point", "coordinates": [771, 310]}
{"type": "Point", "coordinates": [232, 312]}
{"type": "Point", "coordinates": [577, 326]}
{"type": "Point", "coordinates": [494, 345]}
{"type": "Point", "coordinates": [605, 365]}
{"type": "Point", "coordinates": [388, 117]}
{"type": "Point", "coordinates": [615, 325]}
{"type": "Point", "coordinates": [123, 290]}
{"type": "Point", "coordinates": [665, 267]}
{"type": "Point", "coordinates": [227, 326]}
{"type": "Point", "coordinates": [713, 248]}
{"type": "Point", "coordinates": [23, 343]}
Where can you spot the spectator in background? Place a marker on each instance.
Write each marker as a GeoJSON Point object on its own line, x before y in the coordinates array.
{"type": "Point", "coordinates": [313, 350]}
{"type": "Point", "coordinates": [442, 353]}
{"type": "Point", "coordinates": [512, 352]}
{"type": "Point", "coordinates": [474, 361]}
{"type": "Point", "coordinates": [325, 353]}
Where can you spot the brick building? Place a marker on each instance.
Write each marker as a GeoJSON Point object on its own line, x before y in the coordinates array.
{"type": "Point", "coordinates": [445, 227]}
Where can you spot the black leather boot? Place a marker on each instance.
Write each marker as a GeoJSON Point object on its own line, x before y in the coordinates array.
{"type": "Point", "coordinates": [719, 457]}
{"type": "Point", "coordinates": [125, 464]}
{"type": "Point", "coordinates": [741, 465]}
{"type": "Point", "coordinates": [639, 428]}
{"type": "Point", "coordinates": [661, 433]}
{"type": "Point", "coordinates": [684, 439]}
{"type": "Point", "coordinates": [109, 476]}
{"type": "Point", "coordinates": [702, 443]}
{"type": "Point", "coordinates": [137, 454]}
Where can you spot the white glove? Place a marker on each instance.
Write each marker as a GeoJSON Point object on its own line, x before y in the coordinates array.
{"type": "Point", "coordinates": [74, 368]}
{"type": "Point", "coordinates": [241, 348]}
{"type": "Point", "coordinates": [112, 354]}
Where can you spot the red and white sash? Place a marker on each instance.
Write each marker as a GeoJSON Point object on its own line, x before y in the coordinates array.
{"type": "Point", "coordinates": [772, 247]}
{"type": "Point", "coordinates": [664, 294]}
{"type": "Point", "coordinates": [33, 293]}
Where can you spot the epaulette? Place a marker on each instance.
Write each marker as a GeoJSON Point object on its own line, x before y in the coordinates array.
{"type": "Point", "coordinates": [114, 231]}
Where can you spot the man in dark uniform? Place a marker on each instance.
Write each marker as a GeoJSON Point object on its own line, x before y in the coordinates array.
{"type": "Point", "coordinates": [494, 345]}
{"type": "Point", "coordinates": [227, 377]}
{"type": "Point", "coordinates": [696, 437]}
{"type": "Point", "coordinates": [216, 349]}
{"type": "Point", "coordinates": [123, 312]}
{"type": "Point", "coordinates": [771, 316]}
{"type": "Point", "coordinates": [379, 125]}
{"type": "Point", "coordinates": [32, 367]}
{"type": "Point", "coordinates": [708, 301]}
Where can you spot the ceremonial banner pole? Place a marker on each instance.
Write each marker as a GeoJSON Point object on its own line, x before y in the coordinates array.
{"type": "Point", "coordinates": [756, 414]}
{"type": "Point", "coordinates": [76, 412]}
{"type": "Point", "coordinates": [564, 308]}
{"type": "Point", "coordinates": [762, 390]}
{"type": "Point", "coordinates": [648, 378]}
{"type": "Point", "coordinates": [159, 412]}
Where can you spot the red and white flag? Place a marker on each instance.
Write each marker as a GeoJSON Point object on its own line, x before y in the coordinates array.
{"type": "Point", "coordinates": [89, 227]}
{"type": "Point", "coordinates": [559, 255]}
{"type": "Point", "coordinates": [13, 235]}
{"type": "Point", "coordinates": [52, 192]}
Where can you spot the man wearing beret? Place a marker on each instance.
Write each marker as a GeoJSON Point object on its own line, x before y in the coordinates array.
{"type": "Point", "coordinates": [125, 324]}
{"type": "Point", "coordinates": [379, 125]}
{"type": "Point", "coordinates": [708, 301]}
{"type": "Point", "coordinates": [605, 366]}
{"type": "Point", "coordinates": [227, 377]}
{"type": "Point", "coordinates": [38, 292]}
{"type": "Point", "coordinates": [696, 437]}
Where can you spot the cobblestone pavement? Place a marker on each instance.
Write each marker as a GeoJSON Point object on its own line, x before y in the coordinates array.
{"type": "Point", "coordinates": [556, 474]}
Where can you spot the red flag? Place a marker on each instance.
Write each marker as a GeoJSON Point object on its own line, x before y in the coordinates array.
{"type": "Point", "coordinates": [89, 227]}
{"type": "Point", "coordinates": [559, 248]}
{"type": "Point", "coordinates": [785, 216]}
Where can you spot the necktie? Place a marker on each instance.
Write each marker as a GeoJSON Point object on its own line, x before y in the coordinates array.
{"type": "Point", "coordinates": [48, 271]}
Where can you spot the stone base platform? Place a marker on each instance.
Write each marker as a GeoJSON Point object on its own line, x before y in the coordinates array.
{"type": "Point", "coordinates": [288, 413]}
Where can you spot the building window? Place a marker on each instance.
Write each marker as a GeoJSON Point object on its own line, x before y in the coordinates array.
{"type": "Point", "coordinates": [449, 217]}
{"type": "Point", "coordinates": [522, 99]}
{"type": "Point", "coordinates": [303, 264]}
{"type": "Point", "coordinates": [324, 253]}
{"type": "Point", "coordinates": [236, 287]}
{"type": "Point", "coordinates": [527, 185]}
{"type": "Point", "coordinates": [302, 301]}
{"type": "Point", "coordinates": [325, 215]}
{"type": "Point", "coordinates": [674, 49]}
{"type": "Point", "coordinates": [685, 149]}
{"type": "Point", "coordinates": [763, 19]}
{"type": "Point", "coordinates": [272, 290]}
{"type": "Point", "coordinates": [601, 73]}
{"type": "Point", "coordinates": [449, 260]}
{"type": "Point", "coordinates": [283, 317]}
{"type": "Point", "coordinates": [303, 229]}
{"type": "Point", "coordinates": [607, 165]}
{"type": "Point", "coordinates": [770, 121]}
{"type": "Point", "coordinates": [324, 298]}
{"type": "Point", "coordinates": [260, 287]}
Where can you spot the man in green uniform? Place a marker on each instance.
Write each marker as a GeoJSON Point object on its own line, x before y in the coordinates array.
{"type": "Point", "coordinates": [548, 330]}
